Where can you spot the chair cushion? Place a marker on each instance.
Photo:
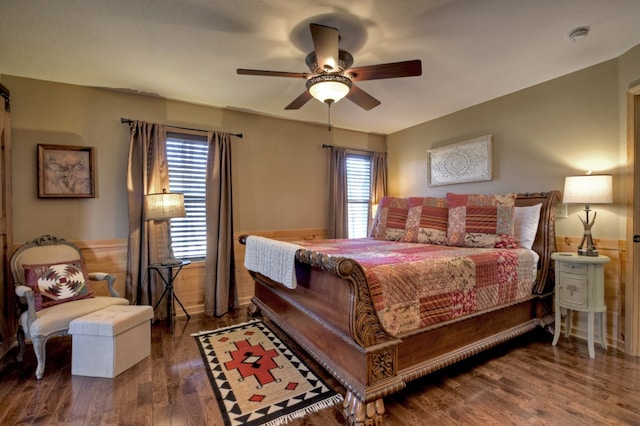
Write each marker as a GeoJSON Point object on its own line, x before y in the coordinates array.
{"type": "Point", "coordinates": [55, 283]}
{"type": "Point", "coordinates": [56, 319]}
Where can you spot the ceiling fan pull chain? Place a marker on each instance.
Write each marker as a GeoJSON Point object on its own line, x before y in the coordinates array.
{"type": "Point", "coordinates": [329, 115]}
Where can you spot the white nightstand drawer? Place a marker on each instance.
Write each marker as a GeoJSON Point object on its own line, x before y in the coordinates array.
{"type": "Point", "coordinates": [573, 290]}
{"type": "Point", "coordinates": [573, 268]}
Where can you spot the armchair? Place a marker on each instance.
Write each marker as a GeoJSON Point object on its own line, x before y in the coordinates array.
{"type": "Point", "coordinates": [51, 284]}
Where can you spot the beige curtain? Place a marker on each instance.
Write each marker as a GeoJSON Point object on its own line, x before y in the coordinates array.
{"type": "Point", "coordinates": [378, 180]}
{"type": "Point", "coordinates": [338, 220]}
{"type": "Point", "coordinates": [147, 173]}
{"type": "Point", "coordinates": [220, 292]}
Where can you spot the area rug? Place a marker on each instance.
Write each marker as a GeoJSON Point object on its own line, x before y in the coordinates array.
{"type": "Point", "coordinates": [257, 379]}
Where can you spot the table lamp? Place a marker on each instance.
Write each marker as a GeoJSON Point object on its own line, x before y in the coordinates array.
{"type": "Point", "coordinates": [164, 206]}
{"type": "Point", "coordinates": [588, 189]}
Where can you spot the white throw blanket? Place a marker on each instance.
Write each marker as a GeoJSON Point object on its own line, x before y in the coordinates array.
{"type": "Point", "coordinates": [273, 259]}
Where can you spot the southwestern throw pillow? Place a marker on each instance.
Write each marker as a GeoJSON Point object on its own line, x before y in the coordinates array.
{"type": "Point", "coordinates": [57, 283]}
{"type": "Point", "coordinates": [477, 220]}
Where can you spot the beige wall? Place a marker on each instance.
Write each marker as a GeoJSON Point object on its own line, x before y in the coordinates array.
{"type": "Point", "coordinates": [279, 168]}
{"type": "Point", "coordinates": [541, 134]}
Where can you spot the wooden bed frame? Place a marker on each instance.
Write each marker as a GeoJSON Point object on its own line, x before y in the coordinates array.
{"type": "Point", "coordinates": [331, 315]}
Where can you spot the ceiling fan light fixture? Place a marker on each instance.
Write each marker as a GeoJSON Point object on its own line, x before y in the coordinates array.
{"type": "Point", "coordinates": [329, 88]}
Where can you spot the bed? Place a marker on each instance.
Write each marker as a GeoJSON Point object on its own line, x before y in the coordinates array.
{"type": "Point", "coordinates": [333, 310]}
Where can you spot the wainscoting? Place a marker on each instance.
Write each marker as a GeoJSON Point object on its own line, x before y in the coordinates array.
{"type": "Point", "coordinates": [110, 256]}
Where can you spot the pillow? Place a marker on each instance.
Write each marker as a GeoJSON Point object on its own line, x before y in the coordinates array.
{"type": "Point", "coordinates": [525, 221]}
{"type": "Point", "coordinates": [477, 220]}
{"type": "Point", "coordinates": [56, 283]}
{"type": "Point", "coordinates": [391, 218]}
{"type": "Point", "coordinates": [427, 220]}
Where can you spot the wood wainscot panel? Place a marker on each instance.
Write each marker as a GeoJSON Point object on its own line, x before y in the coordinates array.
{"type": "Point", "coordinates": [189, 288]}
{"type": "Point", "coordinates": [243, 279]}
{"type": "Point", "coordinates": [613, 288]}
{"type": "Point", "coordinates": [109, 256]}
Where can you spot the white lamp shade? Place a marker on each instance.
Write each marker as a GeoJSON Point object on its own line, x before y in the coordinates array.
{"type": "Point", "coordinates": [164, 205]}
{"type": "Point", "coordinates": [588, 189]}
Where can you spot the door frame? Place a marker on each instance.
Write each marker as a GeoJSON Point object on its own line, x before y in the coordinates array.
{"type": "Point", "coordinates": [632, 273]}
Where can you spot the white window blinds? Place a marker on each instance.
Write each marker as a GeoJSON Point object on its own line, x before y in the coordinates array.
{"type": "Point", "coordinates": [187, 159]}
{"type": "Point", "coordinates": [358, 194]}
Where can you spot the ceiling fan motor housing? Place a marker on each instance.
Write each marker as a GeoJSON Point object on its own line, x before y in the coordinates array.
{"type": "Point", "coordinates": [345, 60]}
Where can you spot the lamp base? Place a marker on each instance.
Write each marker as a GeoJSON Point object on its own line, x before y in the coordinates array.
{"type": "Point", "coordinates": [589, 251]}
{"type": "Point", "coordinates": [587, 238]}
{"type": "Point", "coordinates": [587, 247]}
{"type": "Point", "coordinates": [170, 261]}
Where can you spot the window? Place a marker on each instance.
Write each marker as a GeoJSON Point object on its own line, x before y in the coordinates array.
{"type": "Point", "coordinates": [187, 158]}
{"type": "Point", "coordinates": [358, 194]}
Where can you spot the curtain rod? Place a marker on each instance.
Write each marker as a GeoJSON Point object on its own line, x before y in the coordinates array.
{"type": "Point", "coordinates": [324, 145]}
{"type": "Point", "coordinates": [129, 121]}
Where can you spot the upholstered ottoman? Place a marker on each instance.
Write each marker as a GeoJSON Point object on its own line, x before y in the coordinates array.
{"type": "Point", "coordinates": [107, 342]}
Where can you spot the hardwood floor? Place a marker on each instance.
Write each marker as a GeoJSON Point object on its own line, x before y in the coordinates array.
{"type": "Point", "coordinates": [524, 382]}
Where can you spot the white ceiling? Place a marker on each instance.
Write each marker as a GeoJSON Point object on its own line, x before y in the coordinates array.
{"type": "Point", "coordinates": [471, 50]}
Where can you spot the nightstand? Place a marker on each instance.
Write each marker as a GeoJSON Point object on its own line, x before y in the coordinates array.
{"type": "Point", "coordinates": [580, 287]}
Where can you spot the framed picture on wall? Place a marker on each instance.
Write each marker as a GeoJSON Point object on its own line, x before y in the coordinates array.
{"type": "Point", "coordinates": [65, 171]}
{"type": "Point", "coordinates": [466, 161]}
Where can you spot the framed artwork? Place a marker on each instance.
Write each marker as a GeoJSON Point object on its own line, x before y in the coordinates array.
{"type": "Point", "coordinates": [467, 161]}
{"type": "Point", "coordinates": [65, 171]}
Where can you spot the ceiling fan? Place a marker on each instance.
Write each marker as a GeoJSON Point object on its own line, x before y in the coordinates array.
{"type": "Point", "coordinates": [332, 77]}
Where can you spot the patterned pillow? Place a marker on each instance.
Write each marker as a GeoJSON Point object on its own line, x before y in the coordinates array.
{"type": "Point", "coordinates": [427, 220]}
{"type": "Point", "coordinates": [481, 220]}
{"type": "Point", "coordinates": [57, 283]}
{"type": "Point", "coordinates": [391, 219]}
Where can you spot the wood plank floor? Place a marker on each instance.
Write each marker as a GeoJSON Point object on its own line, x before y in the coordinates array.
{"type": "Point", "coordinates": [524, 382]}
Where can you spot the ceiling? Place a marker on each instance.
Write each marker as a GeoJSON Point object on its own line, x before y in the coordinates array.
{"type": "Point", "coordinates": [471, 50]}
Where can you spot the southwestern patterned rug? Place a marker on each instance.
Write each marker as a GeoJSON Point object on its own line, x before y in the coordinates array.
{"type": "Point", "coordinates": [257, 379]}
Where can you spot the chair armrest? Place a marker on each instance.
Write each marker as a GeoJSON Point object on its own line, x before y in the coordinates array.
{"type": "Point", "coordinates": [26, 296]}
{"type": "Point", "coordinates": [103, 276]}
{"type": "Point", "coordinates": [23, 290]}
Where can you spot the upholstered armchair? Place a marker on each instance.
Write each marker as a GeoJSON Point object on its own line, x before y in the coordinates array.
{"type": "Point", "coordinates": [51, 283]}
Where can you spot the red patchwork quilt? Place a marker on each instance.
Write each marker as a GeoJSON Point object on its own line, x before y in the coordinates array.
{"type": "Point", "coordinates": [417, 285]}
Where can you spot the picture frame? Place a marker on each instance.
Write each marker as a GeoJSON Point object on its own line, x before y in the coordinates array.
{"type": "Point", "coordinates": [461, 162]}
{"type": "Point", "coordinates": [66, 171]}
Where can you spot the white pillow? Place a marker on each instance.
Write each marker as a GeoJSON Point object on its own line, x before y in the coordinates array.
{"type": "Point", "coordinates": [526, 224]}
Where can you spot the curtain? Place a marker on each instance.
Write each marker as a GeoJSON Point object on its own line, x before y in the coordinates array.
{"type": "Point", "coordinates": [378, 180]}
{"type": "Point", "coordinates": [220, 292]}
{"type": "Point", "coordinates": [338, 220]}
{"type": "Point", "coordinates": [147, 172]}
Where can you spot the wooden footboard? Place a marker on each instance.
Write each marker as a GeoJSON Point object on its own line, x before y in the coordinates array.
{"type": "Point", "coordinates": [331, 315]}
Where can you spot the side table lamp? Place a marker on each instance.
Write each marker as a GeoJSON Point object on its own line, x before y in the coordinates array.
{"type": "Point", "coordinates": [588, 189]}
{"type": "Point", "coordinates": [163, 207]}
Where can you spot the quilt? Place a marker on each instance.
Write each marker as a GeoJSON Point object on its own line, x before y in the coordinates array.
{"type": "Point", "coordinates": [419, 285]}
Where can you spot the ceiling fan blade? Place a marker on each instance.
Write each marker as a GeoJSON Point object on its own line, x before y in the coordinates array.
{"type": "Point", "coordinates": [274, 73]}
{"type": "Point", "coordinates": [300, 100]}
{"type": "Point", "coordinates": [362, 98]}
{"type": "Point", "coordinates": [391, 70]}
{"type": "Point", "coordinates": [325, 43]}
